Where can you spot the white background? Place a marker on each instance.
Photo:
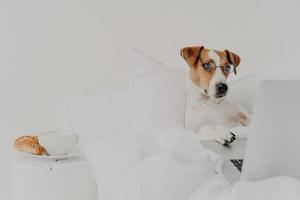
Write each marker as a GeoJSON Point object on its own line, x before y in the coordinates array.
{"type": "Point", "coordinates": [53, 50]}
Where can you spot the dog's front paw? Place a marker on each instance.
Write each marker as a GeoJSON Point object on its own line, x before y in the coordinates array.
{"type": "Point", "coordinates": [220, 134]}
{"type": "Point", "coordinates": [244, 119]}
{"type": "Point", "coordinates": [225, 138]}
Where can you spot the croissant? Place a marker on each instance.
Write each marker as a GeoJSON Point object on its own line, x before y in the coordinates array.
{"type": "Point", "coordinates": [29, 144]}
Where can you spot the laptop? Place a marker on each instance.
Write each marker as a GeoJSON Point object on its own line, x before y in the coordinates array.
{"type": "Point", "coordinates": [272, 147]}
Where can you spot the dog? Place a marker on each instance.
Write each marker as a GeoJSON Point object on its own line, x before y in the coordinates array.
{"type": "Point", "coordinates": [208, 112]}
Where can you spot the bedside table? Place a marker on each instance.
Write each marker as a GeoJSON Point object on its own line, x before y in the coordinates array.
{"type": "Point", "coordinates": [36, 179]}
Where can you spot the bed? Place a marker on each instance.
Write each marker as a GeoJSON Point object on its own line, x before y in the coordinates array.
{"type": "Point", "coordinates": [132, 155]}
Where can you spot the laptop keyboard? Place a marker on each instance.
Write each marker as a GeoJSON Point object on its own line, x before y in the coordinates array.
{"type": "Point", "coordinates": [238, 163]}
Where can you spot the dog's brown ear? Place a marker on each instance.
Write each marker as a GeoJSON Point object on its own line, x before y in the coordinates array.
{"type": "Point", "coordinates": [233, 59]}
{"type": "Point", "coordinates": [191, 54]}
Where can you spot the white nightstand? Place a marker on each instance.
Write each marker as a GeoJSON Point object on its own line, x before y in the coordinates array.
{"type": "Point", "coordinates": [36, 179]}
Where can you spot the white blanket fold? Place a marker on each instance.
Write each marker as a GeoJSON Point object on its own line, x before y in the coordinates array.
{"type": "Point", "coordinates": [275, 188]}
{"type": "Point", "coordinates": [172, 165]}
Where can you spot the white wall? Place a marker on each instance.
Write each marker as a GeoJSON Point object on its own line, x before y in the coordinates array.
{"type": "Point", "coordinates": [54, 50]}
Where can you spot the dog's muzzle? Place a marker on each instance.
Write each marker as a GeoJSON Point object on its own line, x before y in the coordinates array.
{"type": "Point", "coordinates": [221, 90]}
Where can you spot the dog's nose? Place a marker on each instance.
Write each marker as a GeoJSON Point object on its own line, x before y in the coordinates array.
{"type": "Point", "coordinates": [221, 88]}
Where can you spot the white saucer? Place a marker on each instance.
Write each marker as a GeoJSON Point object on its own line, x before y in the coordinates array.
{"type": "Point", "coordinates": [44, 157]}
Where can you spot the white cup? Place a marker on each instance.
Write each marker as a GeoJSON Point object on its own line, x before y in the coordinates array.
{"type": "Point", "coordinates": [58, 143]}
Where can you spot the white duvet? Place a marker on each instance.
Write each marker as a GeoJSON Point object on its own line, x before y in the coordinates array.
{"type": "Point", "coordinates": [172, 165]}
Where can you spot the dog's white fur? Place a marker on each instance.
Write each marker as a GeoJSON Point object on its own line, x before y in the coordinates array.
{"type": "Point", "coordinates": [210, 116]}
{"type": "Point", "coordinates": [213, 55]}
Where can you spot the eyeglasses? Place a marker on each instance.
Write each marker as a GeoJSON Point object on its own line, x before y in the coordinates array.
{"type": "Point", "coordinates": [209, 67]}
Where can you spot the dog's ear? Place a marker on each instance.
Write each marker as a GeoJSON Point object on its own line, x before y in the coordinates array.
{"type": "Point", "coordinates": [191, 54]}
{"type": "Point", "coordinates": [233, 59]}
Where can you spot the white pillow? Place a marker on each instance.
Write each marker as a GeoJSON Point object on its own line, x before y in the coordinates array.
{"type": "Point", "coordinates": [158, 93]}
{"type": "Point", "coordinates": [107, 114]}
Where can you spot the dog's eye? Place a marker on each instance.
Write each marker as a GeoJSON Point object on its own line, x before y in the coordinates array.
{"type": "Point", "coordinates": [227, 69]}
{"type": "Point", "coordinates": [207, 66]}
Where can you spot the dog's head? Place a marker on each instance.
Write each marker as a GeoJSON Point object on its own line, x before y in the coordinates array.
{"type": "Point", "coordinates": [209, 69]}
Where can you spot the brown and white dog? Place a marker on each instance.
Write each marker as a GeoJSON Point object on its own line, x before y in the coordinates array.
{"type": "Point", "coordinates": [207, 110]}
